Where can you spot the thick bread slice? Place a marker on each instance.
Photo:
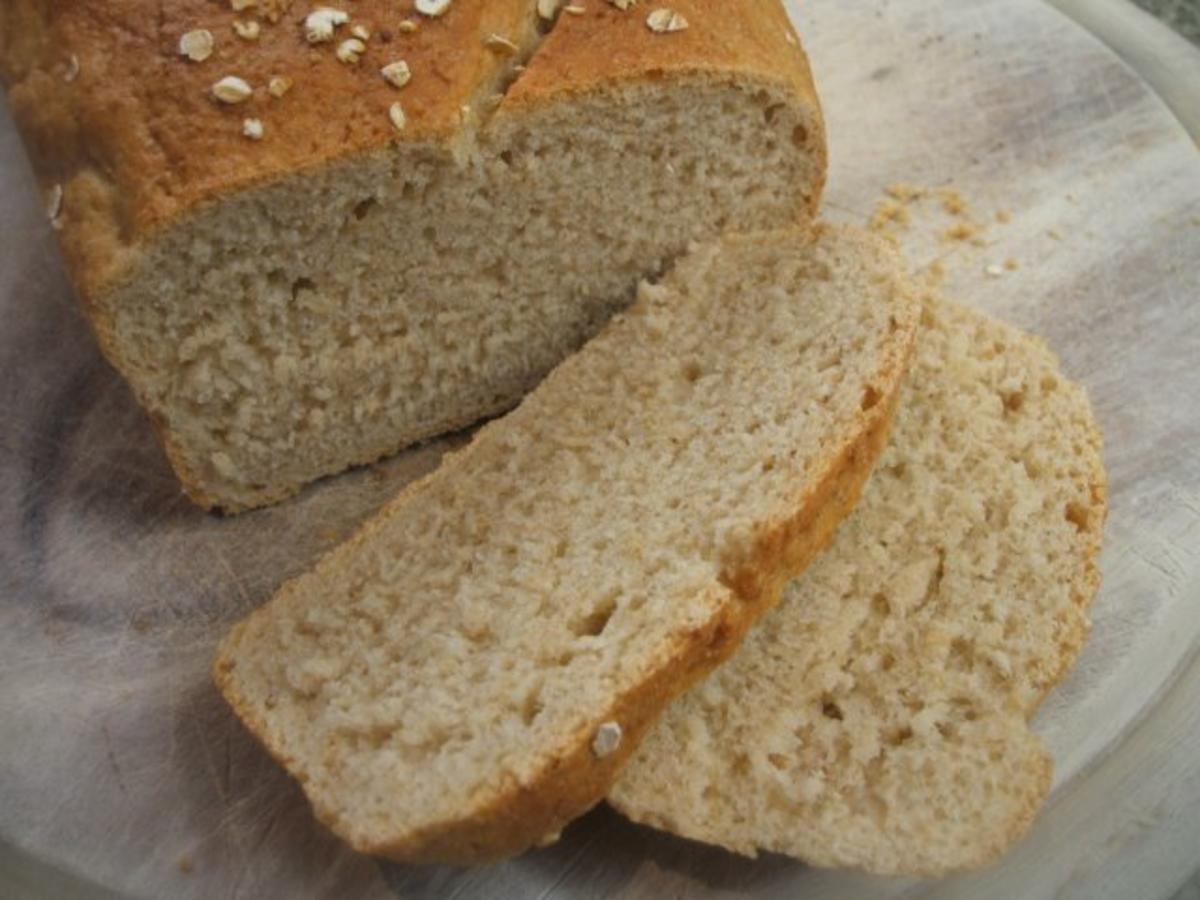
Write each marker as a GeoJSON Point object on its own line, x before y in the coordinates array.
{"type": "Point", "coordinates": [287, 307]}
{"type": "Point", "coordinates": [469, 672]}
{"type": "Point", "coordinates": [877, 719]}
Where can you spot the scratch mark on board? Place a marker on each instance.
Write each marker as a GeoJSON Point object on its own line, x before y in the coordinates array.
{"type": "Point", "coordinates": [1158, 566]}
{"type": "Point", "coordinates": [226, 772]}
{"type": "Point", "coordinates": [210, 764]}
{"type": "Point", "coordinates": [112, 759]}
{"type": "Point", "coordinates": [233, 577]}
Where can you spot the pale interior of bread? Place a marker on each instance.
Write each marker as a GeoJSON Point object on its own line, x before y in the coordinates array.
{"type": "Point", "coordinates": [877, 718]}
{"type": "Point", "coordinates": [340, 314]}
{"type": "Point", "coordinates": [487, 622]}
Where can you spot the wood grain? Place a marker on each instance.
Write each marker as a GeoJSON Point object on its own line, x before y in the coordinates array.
{"type": "Point", "coordinates": [121, 768]}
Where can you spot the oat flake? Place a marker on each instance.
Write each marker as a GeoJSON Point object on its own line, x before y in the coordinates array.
{"type": "Point", "coordinates": [196, 45]}
{"type": "Point", "coordinates": [396, 114]}
{"type": "Point", "coordinates": [665, 21]}
{"type": "Point", "coordinates": [397, 73]}
{"type": "Point", "coordinates": [607, 739]}
{"type": "Point", "coordinates": [231, 89]}
{"type": "Point", "coordinates": [432, 7]}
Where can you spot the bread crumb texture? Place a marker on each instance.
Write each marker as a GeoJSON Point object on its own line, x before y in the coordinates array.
{"type": "Point", "coordinates": [469, 672]}
{"type": "Point", "coordinates": [877, 718]}
{"type": "Point", "coordinates": [369, 225]}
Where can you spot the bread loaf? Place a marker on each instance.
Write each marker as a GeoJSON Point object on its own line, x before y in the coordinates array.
{"type": "Point", "coordinates": [877, 718]}
{"type": "Point", "coordinates": [468, 673]}
{"type": "Point", "coordinates": [308, 242]}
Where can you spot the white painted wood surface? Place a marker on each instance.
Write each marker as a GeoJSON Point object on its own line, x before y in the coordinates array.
{"type": "Point", "coordinates": [121, 773]}
{"type": "Point", "coordinates": [1165, 59]}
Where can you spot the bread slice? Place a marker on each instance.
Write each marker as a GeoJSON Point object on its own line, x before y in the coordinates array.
{"type": "Point", "coordinates": [469, 672]}
{"type": "Point", "coordinates": [340, 288]}
{"type": "Point", "coordinates": [877, 719]}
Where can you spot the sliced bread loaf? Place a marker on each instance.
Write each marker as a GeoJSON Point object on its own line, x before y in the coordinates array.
{"type": "Point", "coordinates": [309, 250]}
{"type": "Point", "coordinates": [877, 718]}
{"type": "Point", "coordinates": [469, 672]}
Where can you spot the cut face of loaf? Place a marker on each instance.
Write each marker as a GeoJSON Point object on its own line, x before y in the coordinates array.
{"type": "Point", "coordinates": [469, 672]}
{"type": "Point", "coordinates": [289, 307]}
{"type": "Point", "coordinates": [877, 718]}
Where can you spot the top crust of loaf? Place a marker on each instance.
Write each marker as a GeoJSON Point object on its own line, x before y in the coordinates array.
{"type": "Point", "coordinates": [754, 43]}
{"type": "Point", "coordinates": [136, 140]}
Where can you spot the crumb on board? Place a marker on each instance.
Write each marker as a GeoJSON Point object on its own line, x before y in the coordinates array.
{"type": "Point", "coordinates": [1054, 234]}
{"type": "Point", "coordinates": [888, 213]}
{"type": "Point", "coordinates": [993, 271]}
{"type": "Point", "coordinates": [904, 192]}
{"type": "Point", "coordinates": [895, 213]}
{"type": "Point", "coordinates": [961, 231]}
{"type": "Point", "coordinates": [953, 202]}
{"type": "Point", "coordinates": [186, 866]}
{"type": "Point", "coordinates": [1196, 221]}
{"type": "Point", "coordinates": [935, 273]}
{"type": "Point", "coordinates": [1011, 264]}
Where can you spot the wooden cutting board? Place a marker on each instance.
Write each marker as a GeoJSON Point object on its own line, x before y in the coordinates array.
{"type": "Point", "coordinates": [121, 771]}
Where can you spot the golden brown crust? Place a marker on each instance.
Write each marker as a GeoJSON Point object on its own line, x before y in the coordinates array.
{"type": "Point", "coordinates": [519, 816]}
{"type": "Point", "coordinates": [140, 119]}
{"type": "Point", "coordinates": [136, 138]}
{"type": "Point", "coordinates": [605, 47]}
{"type": "Point", "coordinates": [606, 44]}
{"type": "Point", "coordinates": [128, 128]}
